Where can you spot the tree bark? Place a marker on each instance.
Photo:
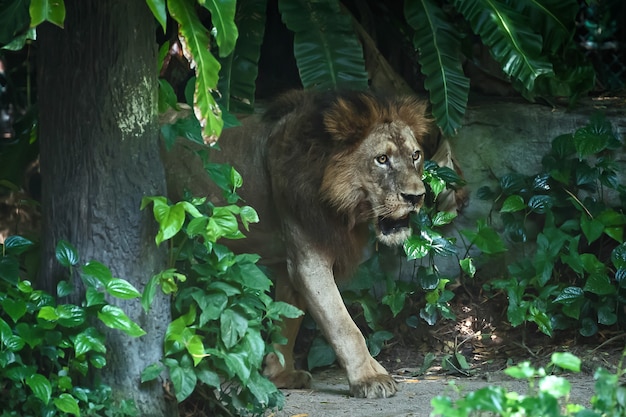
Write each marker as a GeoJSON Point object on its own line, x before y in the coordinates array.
{"type": "Point", "coordinates": [98, 136]}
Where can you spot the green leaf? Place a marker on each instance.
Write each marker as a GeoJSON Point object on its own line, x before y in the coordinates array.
{"type": "Point", "coordinates": [16, 245]}
{"type": "Point", "coordinates": [223, 20]}
{"type": "Point", "coordinates": [48, 313]}
{"type": "Point", "coordinates": [540, 203]}
{"type": "Point", "coordinates": [442, 218]}
{"type": "Point", "coordinates": [14, 308]}
{"type": "Point", "coordinates": [511, 38]}
{"type": "Point", "coordinates": [566, 361]}
{"type": "Point", "coordinates": [40, 386]}
{"type": "Point", "coordinates": [66, 403]}
{"type": "Point", "coordinates": [94, 297]}
{"type": "Point", "coordinates": [555, 386]}
{"type": "Point", "coordinates": [157, 7]}
{"type": "Point", "coordinates": [281, 309]}
{"type": "Point", "coordinates": [184, 380]}
{"type": "Point", "coordinates": [239, 71]}
{"type": "Point", "coordinates": [64, 289]}
{"type": "Point", "coordinates": [485, 238]}
{"type": "Point", "coordinates": [70, 315]}
{"type": "Point", "coordinates": [115, 318]}
{"type": "Point", "coordinates": [595, 137]}
{"type": "Point", "coordinates": [13, 19]}
{"type": "Point", "coordinates": [66, 254]}
{"type": "Point", "coordinates": [89, 340]}
{"type": "Point", "coordinates": [52, 11]}
{"type": "Point", "coordinates": [416, 247]}
{"type": "Point", "coordinates": [96, 273]}
{"type": "Point", "coordinates": [320, 354]}
{"type": "Point", "coordinates": [233, 327]}
{"type": "Point", "coordinates": [151, 372]}
{"type": "Point", "coordinates": [599, 284]}
{"type": "Point", "coordinates": [592, 228]}
{"type": "Point", "coordinates": [523, 370]}
{"type": "Point", "coordinates": [438, 44]}
{"type": "Point", "coordinates": [569, 295]}
{"type": "Point", "coordinates": [170, 219]}
{"type": "Point", "coordinates": [149, 292]}
{"type": "Point", "coordinates": [512, 204]}
{"type": "Point", "coordinates": [121, 288]}
{"type": "Point", "coordinates": [327, 50]}
{"type": "Point", "coordinates": [195, 40]}
{"type": "Point", "coordinates": [467, 265]}
{"type": "Point", "coordinates": [9, 269]}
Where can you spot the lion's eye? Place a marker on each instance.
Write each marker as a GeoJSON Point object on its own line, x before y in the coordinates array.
{"type": "Point", "coordinates": [417, 155]}
{"type": "Point", "coordinates": [382, 159]}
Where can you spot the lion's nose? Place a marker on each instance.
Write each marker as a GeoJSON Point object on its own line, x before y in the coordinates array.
{"type": "Point", "coordinates": [415, 199]}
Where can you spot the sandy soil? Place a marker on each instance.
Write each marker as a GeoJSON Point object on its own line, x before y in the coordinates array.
{"type": "Point", "coordinates": [329, 395]}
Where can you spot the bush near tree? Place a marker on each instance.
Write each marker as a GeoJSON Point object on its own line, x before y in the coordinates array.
{"type": "Point", "coordinates": [49, 347]}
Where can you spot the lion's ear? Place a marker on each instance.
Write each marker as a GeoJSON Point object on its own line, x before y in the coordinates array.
{"type": "Point", "coordinates": [349, 120]}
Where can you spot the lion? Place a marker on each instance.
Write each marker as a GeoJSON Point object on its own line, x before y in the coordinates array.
{"type": "Point", "coordinates": [322, 169]}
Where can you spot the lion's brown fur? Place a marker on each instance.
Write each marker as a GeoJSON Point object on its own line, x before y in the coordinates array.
{"type": "Point", "coordinates": [317, 131]}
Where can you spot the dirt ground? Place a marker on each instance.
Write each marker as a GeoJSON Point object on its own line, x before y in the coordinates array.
{"type": "Point", "coordinates": [488, 345]}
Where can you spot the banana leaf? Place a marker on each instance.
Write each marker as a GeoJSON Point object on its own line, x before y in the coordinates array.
{"type": "Point", "coordinates": [195, 39]}
{"type": "Point", "coordinates": [237, 84]}
{"type": "Point", "coordinates": [439, 57]}
{"type": "Point", "coordinates": [554, 19]}
{"type": "Point", "coordinates": [326, 48]}
{"type": "Point", "coordinates": [511, 39]}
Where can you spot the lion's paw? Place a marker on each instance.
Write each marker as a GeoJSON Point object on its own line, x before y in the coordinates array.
{"type": "Point", "coordinates": [377, 386]}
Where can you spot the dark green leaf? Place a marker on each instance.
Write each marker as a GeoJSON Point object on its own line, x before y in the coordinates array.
{"type": "Point", "coordinates": [438, 44]}
{"type": "Point", "coordinates": [595, 137]}
{"type": "Point", "coordinates": [16, 245]}
{"type": "Point", "coordinates": [64, 289]}
{"type": "Point", "coordinates": [511, 39]}
{"type": "Point", "coordinates": [592, 228]}
{"type": "Point", "coordinates": [569, 295]}
{"type": "Point", "coordinates": [599, 284]}
{"type": "Point", "coordinates": [157, 7]}
{"type": "Point", "coordinates": [70, 315]}
{"type": "Point", "coordinates": [89, 340]}
{"type": "Point", "coordinates": [151, 372]}
{"type": "Point", "coordinates": [513, 203]}
{"type": "Point", "coordinates": [14, 308]}
{"type": "Point", "coordinates": [66, 254]}
{"type": "Point", "coordinates": [96, 274]}
{"type": "Point", "coordinates": [320, 354]}
{"type": "Point", "coordinates": [233, 327]}
{"type": "Point", "coordinates": [512, 183]}
{"type": "Point", "coordinates": [618, 256]}
{"type": "Point", "coordinates": [540, 203]}
{"type": "Point", "coordinates": [239, 70]}
{"type": "Point", "coordinates": [327, 50]}
{"type": "Point", "coordinates": [9, 269]}
{"type": "Point", "coordinates": [40, 386]}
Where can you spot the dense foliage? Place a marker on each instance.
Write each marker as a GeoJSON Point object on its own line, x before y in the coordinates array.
{"type": "Point", "coordinates": [224, 319]}
{"type": "Point", "coordinates": [48, 348]}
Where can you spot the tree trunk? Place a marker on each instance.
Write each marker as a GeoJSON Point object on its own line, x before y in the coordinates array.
{"type": "Point", "coordinates": [99, 155]}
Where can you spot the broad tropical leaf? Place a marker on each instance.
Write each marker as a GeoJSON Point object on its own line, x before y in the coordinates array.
{"type": "Point", "coordinates": [327, 51]}
{"type": "Point", "coordinates": [439, 48]}
{"type": "Point", "coordinates": [511, 39]}
{"type": "Point", "coordinates": [239, 72]}
{"type": "Point", "coordinates": [554, 19]}
{"type": "Point", "coordinates": [223, 20]}
{"type": "Point", "coordinates": [195, 40]}
{"type": "Point", "coordinates": [13, 19]}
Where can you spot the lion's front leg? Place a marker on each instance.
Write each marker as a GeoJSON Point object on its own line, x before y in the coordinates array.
{"type": "Point", "coordinates": [312, 274]}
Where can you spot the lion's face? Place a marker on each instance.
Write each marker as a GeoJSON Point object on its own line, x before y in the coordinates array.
{"type": "Point", "coordinates": [381, 181]}
{"type": "Point", "coordinates": [392, 162]}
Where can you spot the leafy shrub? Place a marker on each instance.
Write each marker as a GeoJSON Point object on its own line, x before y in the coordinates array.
{"type": "Point", "coordinates": [224, 318]}
{"type": "Point", "coordinates": [48, 350]}
{"type": "Point", "coordinates": [577, 274]}
{"type": "Point", "coordinates": [547, 396]}
{"type": "Point", "coordinates": [381, 288]}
